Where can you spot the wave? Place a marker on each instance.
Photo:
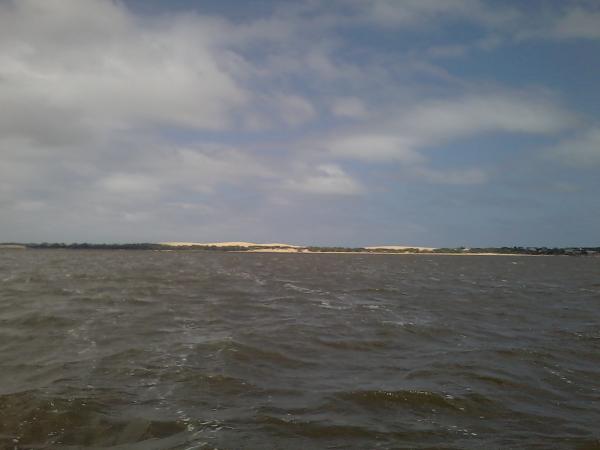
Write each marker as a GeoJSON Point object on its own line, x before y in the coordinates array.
{"type": "Point", "coordinates": [419, 399]}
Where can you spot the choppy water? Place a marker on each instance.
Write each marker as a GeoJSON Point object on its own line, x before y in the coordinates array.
{"type": "Point", "coordinates": [185, 350]}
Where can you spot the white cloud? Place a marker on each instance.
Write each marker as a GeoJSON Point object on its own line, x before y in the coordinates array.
{"type": "Point", "coordinates": [91, 65]}
{"type": "Point", "coordinates": [374, 147]}
{"type": "Point", "coordinates": [136, 174]}
{"type": "Point", "coordinates": [437, 122]}
{"type": "Point", "coordinates": [487, 43]}
{"type": "Point", "coordinates": [351, 107]}
{"type": "Point", "coordinates": [29, 206]}
{"type": "Point", "coordinates": [166, 171]}
{"type": "Point", "coordinates": [415, 12]}
{"type": "Point", "coordinates": [326, 179]}
{"type": "Point", "coordinates": [294, 109]}
{"type": "Point", "coordinates": [202, 170]}
{"type": "Point", "coordinates": [126, 184]}
{"type": "Point", "coordinates": [448, 51]}
{"type": "Point", "coordinates": [581, 151]}
{"type": "Point", "coordinates": [568, 20]}
{"type": "Point", "coordinates": [572, 22]}
{"type": "Point", "coordinates": [579, 23]}
{"type": "Point", "coordinates": [480, 113]}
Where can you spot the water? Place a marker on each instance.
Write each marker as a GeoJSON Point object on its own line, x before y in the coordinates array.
{"type": "Point", "coordinates": [189, 350]}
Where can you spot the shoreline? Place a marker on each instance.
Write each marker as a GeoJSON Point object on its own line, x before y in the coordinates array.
{"type": "Point", "coordinates": [299, 252]}
{"type": "Point", "coordinates": [250, 247]}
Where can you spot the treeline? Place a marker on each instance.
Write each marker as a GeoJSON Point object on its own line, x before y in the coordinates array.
{"type": "Point", "coordinates": [143, 246]}
{"type": "Point", "coordinates": [88, 246]}
{"type": "Point", "coordinates": [474, 250]}
{"type": "Point", "coordinates": [336, 249]}
{"type": "Point", "coordinates": [523, 250]}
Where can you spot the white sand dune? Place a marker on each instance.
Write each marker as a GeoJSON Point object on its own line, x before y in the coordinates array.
{"type": "Point", "coordinates": [228, 244]}
{"type": "Point", "coordinates": [282, 245]}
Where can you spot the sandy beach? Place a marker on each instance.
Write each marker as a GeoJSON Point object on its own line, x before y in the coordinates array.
{"type": "Point", "coordinates": [228, 244]}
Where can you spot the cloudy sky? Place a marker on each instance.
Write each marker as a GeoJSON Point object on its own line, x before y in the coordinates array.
{"type": "Point", "coordinates": [420, 122]}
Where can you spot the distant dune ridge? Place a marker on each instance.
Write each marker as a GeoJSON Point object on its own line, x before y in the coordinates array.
{"type": "Point", "coordinates": [288, 248]}
{"type": "Point", "coordinates": [227, 244]}
{"type": "Point", "coordinates": [253, 244]}
{"type": "Point", "coordinates": [277, 247]}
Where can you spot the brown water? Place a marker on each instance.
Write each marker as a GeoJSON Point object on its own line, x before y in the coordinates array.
{"type": "Point", "coordinates": [190, 350]}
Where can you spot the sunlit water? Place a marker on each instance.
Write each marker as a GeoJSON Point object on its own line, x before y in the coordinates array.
{"type": "Point", "coordinates": [190, 350]}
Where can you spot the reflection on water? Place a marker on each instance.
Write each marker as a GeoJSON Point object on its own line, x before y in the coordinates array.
{"type": "Point", "coordinates": [190, 350]}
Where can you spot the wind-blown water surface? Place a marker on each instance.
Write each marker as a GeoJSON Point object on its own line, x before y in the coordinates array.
{"type": "Point", "coordinates": [191, 350]}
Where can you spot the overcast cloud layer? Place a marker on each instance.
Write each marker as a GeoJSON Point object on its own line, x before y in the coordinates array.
{"type": "Point", "coordinates": [455, 122]}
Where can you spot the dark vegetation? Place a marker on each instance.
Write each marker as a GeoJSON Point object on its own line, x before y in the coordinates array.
{"type": "Point", "coordinates": [337, 249]}
{"type": "Point", "coordinates": [523, 250]}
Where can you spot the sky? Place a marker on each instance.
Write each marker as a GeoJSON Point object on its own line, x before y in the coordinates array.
{"type": "Point", "coordinates": [338, 122]}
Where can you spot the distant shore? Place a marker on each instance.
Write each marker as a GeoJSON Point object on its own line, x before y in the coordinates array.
{"type": "Point", "coordinates": [374, 252]}
{"type": "Point", "coordinates": [251, 247]}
